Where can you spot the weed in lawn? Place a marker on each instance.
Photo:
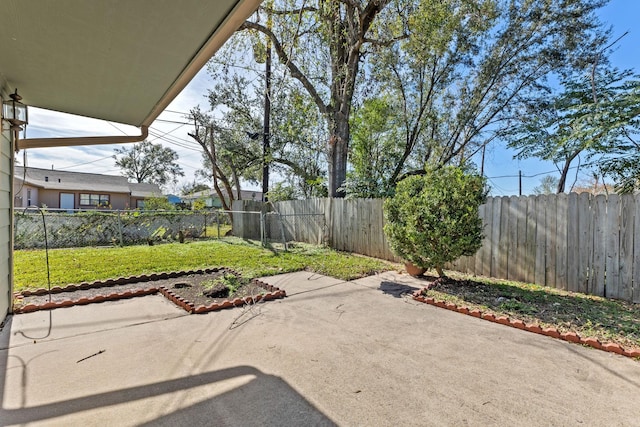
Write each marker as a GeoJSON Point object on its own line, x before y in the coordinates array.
{"type": "Point", "coordinates": [229, 280]}
{"type": "Point", "coordinates": [515, 306]}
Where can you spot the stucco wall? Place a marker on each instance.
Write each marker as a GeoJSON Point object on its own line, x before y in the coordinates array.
{"type": "Point", "coordinates": [20, 199]}
{"type": "Point", "coordinates": [6, 218]}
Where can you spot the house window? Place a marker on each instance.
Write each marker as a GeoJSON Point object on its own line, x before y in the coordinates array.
{"type": "Point", "coordinates": [87, 199]}
{"type": "Point", "coordinates": [28, 197]}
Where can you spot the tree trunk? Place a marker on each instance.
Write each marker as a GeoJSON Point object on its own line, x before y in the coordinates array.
{"type": "Point", "coordinates": [338, 149]}
{"type": "Point", "coordinates": [565, 171]}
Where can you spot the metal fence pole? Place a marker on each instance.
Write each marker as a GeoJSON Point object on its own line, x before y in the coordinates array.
{"type": "Point", "coordinates": [204, 212]}
{"type": "Point", "coordinates": [262, 236]}
{"type": "Point", "coordinates": [218, 223]}
{"type": "Point", "coordinates": [120, 229]}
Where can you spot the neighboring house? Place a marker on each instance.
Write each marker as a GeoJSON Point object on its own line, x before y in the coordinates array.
{"type": "Point", "coordinates": [76, 190]}
{"type": "Point", "coordinates": [212, 200]}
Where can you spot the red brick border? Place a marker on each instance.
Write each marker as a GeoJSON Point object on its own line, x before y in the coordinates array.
{"type": "Point", "coordinates": [273, 292]}
{"type": "Point", "coordinates": [519, 324]}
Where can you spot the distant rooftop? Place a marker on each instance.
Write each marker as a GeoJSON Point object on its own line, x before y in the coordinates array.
{"type": "Point", "coordinates": [50, 179]}
{"type": "Point", "coordinates": [246, 194]}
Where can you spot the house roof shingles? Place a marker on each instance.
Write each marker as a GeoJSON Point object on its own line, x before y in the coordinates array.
{"type": "Point", "coordinates": [79, 181]}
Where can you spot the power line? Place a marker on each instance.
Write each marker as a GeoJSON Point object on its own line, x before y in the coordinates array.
{"type": "Point", "coordinates": [172, 121]}
{"type": "Point", "coordinates": [85, 163]}
{"type": "Point", "coordinates": [166, 133]}
{"type": "Point", "coordinates": [117, 128]}
{"type": "Point", "coordinates": [178, 144]}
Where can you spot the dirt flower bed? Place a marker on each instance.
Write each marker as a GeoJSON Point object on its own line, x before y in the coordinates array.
{"type": "Point", "coordinates": [195, 291]}
{"type": "Point", "coordinates": [196, 288]}
{"type": "Point", "coordinates": [589, 316]}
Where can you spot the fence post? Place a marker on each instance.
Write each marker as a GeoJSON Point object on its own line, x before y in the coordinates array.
{"type": "Point", "coordinates": [218, 222]}
{"type": "Point", "coordinates": [284, 237]}
{"type": "Point", "coordinates": [204, 212]}
{"type": "Point", "coordinates": [120, 228]}
{"type": "Point", "coordinates": [262, 237]}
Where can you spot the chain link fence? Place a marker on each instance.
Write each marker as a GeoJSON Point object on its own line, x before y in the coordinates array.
{"type": "Point", "coordinates": [96, 228]}
{"type": "Point", "coordinates": [65, 229]}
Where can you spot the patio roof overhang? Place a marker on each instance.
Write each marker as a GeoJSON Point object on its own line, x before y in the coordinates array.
{"type": "Point", "coordinates": [118, 60]}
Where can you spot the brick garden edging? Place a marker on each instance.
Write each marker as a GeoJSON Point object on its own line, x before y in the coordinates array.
{"type": "Point", "coordinates": [273, 292]}
{"type": "Point", "coordinates": [519, 324]}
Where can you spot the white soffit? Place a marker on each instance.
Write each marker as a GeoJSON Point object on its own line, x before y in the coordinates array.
{"type": "Point", "coordinates": [116, 60]}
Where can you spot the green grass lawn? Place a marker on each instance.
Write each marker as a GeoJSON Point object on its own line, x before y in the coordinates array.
{"type": "Point", "coordinates": [212, 230]}
{"type": "Point", "coordinates": [77, 265]}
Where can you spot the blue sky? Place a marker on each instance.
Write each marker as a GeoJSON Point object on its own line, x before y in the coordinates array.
{"type": "Point", "coordinates": [500, 166]}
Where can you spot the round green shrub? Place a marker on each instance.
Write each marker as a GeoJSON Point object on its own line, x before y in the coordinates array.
{"type": "Point", "coordinates": [433, 218]}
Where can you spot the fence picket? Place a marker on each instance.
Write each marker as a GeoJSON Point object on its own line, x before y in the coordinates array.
{"type": "Point", "coordinates": [485, 251]}
{"type": "Point", "coordinates": [550, 239]}
{"type": "Point", "coordinates": [521, 239]}
{"type": "Point", "coordinates": [599, 253]}
{"type": "Point", "coordinates": [625, 287]}
{"type": "Point", "coordinates": [635, 293]}
{"type": "Point", "coordinates": [573, 256]}
{"type": "Point", "coordinates": [612, 247]}
{"type": "Point", "coordinates": [561, 241]}
{"type": "Point", "coordinates": [541, 232]}
{"type": "Point", "coordinates": [585, 242]}
{"type": "Point", "coordinates": [495, 237]}
{"type": "Point", "coordinates": [530, 244]}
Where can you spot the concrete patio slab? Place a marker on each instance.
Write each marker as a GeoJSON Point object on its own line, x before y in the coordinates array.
{"type": "Point", "coordinates": [332, 352]}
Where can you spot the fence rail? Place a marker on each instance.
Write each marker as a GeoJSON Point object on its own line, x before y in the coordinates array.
{"type": "Point", "coordinates": [575, 242]}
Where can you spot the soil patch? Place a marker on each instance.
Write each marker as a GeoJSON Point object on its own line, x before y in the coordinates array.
{"type": "Point", "coordinates": [587, 315]}
{"type": "Point", "coordinates": [196, 291]}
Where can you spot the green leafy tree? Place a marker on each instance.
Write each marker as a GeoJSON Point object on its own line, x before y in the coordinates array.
{"type": "Point", "coordinates": [158, 203]}
{"type": "Point", "coordinates": [148, 162]}
{"type": "Point", "coordinates": [199, 205]}
{"type": "Point", "coordinates": [463, 68]}
{"type": "Point", "coordinates": [433, 219]}
{"type": "Point", "coordinates": [281, 191]}
{"type": "Point", "coordinates": [296, 134]}
{"type": "Point", "coordinates": [618, 121]}
{"type": "Point", "coordinates": [193, 187]}
{"type": "Point", "coordinates": [594, 114]}
{"type": "Point", "coordinates": [548, 185]}
{"type": "Point", "coordinates": [373, 148]}
{"type": "Point", "coordinates": [220, 165]}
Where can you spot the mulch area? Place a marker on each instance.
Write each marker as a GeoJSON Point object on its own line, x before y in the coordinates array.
{"type": "Point", "coordinates": [186, 289]}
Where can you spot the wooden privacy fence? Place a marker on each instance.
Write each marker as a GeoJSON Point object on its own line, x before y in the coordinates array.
{"type": "Point", "coordinates": [575, 242]}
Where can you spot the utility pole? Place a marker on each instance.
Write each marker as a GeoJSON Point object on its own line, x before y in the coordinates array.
{"type": "Point", "coordinates": [520, 182]}
{"type": "Point", "coordinates": [266, 144]}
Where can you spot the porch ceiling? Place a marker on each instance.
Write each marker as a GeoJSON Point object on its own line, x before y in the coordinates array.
{"type": "Point", "coordinates": [116, 60]}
